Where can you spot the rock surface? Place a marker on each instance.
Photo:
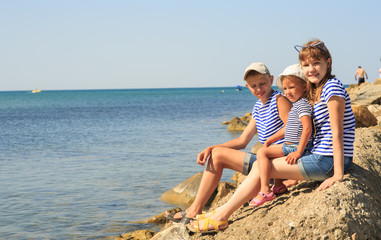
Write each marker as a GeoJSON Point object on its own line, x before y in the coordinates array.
{"type": "Point", "coordinates": [350, 209]}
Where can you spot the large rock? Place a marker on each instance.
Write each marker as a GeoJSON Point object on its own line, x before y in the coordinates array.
{"type": "Point", "coordinates": [184, 193]}
{"type": "Point", "coordinates": [348, 210]}
{"type": "Point", "coordinates": [247, 117]}
{"type": "Point", "coordinates": [236, 124]}
{"type": "Point", "coordinates": [363, 117]}
{"type": "Point", "coordinates": [137, 235]}
{"type": "Point", "coordinates": [365, 94]}
{"type": "Point", "coordinates": [177, 231]}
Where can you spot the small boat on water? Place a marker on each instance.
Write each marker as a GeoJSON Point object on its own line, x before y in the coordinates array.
{"type": "Point", "coordinates": [238, 88]}
{"type": "Point", "coordinates": [36, 91]}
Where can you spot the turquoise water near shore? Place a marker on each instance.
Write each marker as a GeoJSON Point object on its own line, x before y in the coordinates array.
{"type": "Point", "coordinates": [89, 164]}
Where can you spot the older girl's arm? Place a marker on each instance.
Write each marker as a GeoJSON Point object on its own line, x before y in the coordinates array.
{"type": "Point", "coordinates": [336, 107]}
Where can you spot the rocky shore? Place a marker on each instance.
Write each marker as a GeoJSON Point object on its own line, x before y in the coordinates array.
{"type": "Point", "coordinates": [350, 209]}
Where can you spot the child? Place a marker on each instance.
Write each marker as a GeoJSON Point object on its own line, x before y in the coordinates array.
{"type": "Point", "coordinates": [270, 113]}
{"type": "Point", "coordinates": [297, 135]}
{"type": "Point", "coordinates": [332, 151]}
{"type": "Point", "coordinates": [333, 116]}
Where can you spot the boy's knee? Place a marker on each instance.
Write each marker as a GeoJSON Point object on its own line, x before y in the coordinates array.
{"type": "Point", "coordinates": [217, 154]}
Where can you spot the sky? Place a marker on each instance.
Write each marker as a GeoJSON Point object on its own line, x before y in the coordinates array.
{"type": "Point", "coordinates": [115, 44]}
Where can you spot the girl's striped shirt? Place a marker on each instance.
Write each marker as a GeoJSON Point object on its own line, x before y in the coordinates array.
{"type": "Point", "coordinates": [294, 126]}
{"type": "Point", "coordinates": [323, 138]}
{"type": "Point", "coordinates": [267, 118]}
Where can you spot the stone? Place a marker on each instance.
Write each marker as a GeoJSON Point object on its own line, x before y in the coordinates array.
{"type": "Point", "coordinates": [177, 231]}
{"type": "Point", "coordinates": [364, 118]}
{"type": "Point", "coordinates": [247, 117]}
{"type": "Point", "coordinates": [377, 81]}
{"type": "Point", "coordinates": [137, 235]}
{"type": "Point", "coordinates": [223, 189]}
{"type": "Point", "coordinates": [236, 124]}
{"type": "Point", "coordinates": [184, 193]}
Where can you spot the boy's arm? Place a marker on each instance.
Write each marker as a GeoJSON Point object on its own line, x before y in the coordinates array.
{"type": "Point", "coordinates": [306, 134]}
{"type": "Point", "coordinates": [237, 143]}
{"type": "Point", "coordinates": [284, 107]}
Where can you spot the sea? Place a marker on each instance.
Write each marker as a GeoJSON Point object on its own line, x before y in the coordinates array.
{"type": "Point", "coordinates": [92, 164]}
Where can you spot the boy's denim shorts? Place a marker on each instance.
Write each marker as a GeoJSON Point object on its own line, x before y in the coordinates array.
{"type": "Point", "coordinates": [248, 162]}
{"type": "Point", "coordinates": [318, 167]}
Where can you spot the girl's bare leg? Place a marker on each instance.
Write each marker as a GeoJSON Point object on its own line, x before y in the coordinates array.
{"type": "Point", "coordinates": [251, 185]}
{"type": "Point", "coordinates": [264, 165]}
{"type": "Point", "coordinates": [221, 158]}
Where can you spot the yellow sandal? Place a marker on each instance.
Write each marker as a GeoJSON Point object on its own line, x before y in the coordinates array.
{"type": "Point", "coordinates": [202, 216]}
{"type": "Point", "coordinates": [194, 227]}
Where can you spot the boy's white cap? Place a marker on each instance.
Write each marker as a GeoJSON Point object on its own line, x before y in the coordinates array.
{"type": "Point", "coordinates": [294, 70]}
{"type": "Point", "coordinates": [258, 67]}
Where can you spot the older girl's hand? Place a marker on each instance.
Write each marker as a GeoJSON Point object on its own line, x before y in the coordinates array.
{"type": "Point", "coordinates": [329, 182]}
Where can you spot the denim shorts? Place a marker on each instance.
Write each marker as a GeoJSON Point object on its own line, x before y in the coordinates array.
{"type": "Point", "coordinates": [318, 167]}
{"type": "Point", "coordinates": [250, 158]}
{"type": "Point", "coordinates": [292, 147]}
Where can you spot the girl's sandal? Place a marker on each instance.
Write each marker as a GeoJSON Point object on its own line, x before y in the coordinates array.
{"type": "Point", "coordinates": [279, 189]}
{"type": "Point", "coordinates": [194, 227]}
{"type": "Point", "coordinates": [266, 197]}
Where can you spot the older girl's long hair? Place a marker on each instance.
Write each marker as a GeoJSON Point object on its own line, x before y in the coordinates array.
{"type": "Point", "coordinates": [316, 49]}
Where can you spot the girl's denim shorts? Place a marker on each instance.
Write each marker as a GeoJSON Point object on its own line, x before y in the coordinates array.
{"type": "Point", "coordinates": [289, 148]}
{"type": "Point", "coordinates": [318, 167]}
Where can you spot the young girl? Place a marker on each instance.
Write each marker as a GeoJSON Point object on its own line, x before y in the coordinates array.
{"type": "Point", "coordinates": [332, 150]}
{"type": "Point", "coordinates": [298, 137]}
{"type": "Point", "coordinates": [270, 113]}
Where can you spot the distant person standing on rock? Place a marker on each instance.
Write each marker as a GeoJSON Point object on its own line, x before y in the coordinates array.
{"type": "Point", "coordinates": [379, 71]}
{"type": "Point", "coordinates": [361, 72]}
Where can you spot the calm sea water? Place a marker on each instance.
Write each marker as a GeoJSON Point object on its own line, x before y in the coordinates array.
{"type": "Point", "coordinates": [90, 164]}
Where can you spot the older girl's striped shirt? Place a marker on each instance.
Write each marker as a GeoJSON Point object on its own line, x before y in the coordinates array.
{"type": "Point", "coordinates": [323, 137]}
{"type": "Point", "coordinates": [267, 118]}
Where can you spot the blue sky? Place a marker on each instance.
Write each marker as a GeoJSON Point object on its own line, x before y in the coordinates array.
{"type": "Point", "coordinates": [114, 44]}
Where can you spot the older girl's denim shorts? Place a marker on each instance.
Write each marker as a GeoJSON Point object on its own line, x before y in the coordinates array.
{"type": "Point", "coordinates": [318, 167]}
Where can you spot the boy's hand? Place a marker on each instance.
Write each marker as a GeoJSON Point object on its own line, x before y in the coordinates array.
{"type": "Point", "coordinates": [293, 157]}
{"type": "Point", "coordinates": [266, 144]}
{"type": "Point", "coordinates": [203, 156]}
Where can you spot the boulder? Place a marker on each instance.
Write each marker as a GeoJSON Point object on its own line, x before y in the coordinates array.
{"type": "Point", "coordinates": [348, 210]}
{"type": "Point", "coordinates": [247, 117]}
{"type": "Point", "coordinates": [365, 94]}
{"type": "Point", "coordinates": [236, 124]}
{"type": "Point", "coordinates": [256, 147]}
{"type": "Point", "coordinates": [184, 193]}
{"type": "Point", "coordinates": [177, 231]}
{"type": "Point", "coordinates": [223, 189]}
{"type": "Point", "coordinates": [363, 117]}
{"type": "Point", "coordinates": [377, 81]}
{"type": "Point", "coordinates": [137, 235]}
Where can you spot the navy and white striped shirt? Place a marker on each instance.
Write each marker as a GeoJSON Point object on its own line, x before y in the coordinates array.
{"type": "Point", "coordinates": [294, 125]}
{"type": "Point", "coordinates": [323, 139]}
{"type": "Point", "coordinates": [267, 118]}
